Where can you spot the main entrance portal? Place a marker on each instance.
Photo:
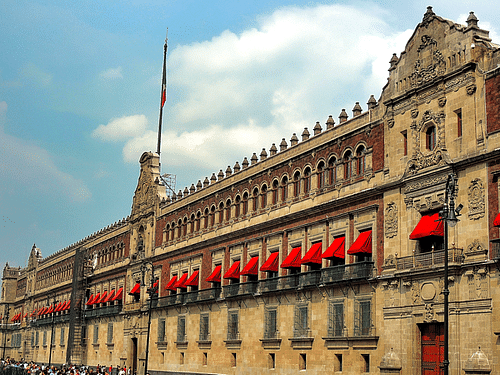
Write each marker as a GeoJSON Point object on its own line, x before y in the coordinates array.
{"type": "Point", "coordinates": [432, 348]}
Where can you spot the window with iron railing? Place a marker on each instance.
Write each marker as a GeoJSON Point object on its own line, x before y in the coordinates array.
{"type": "Point", "coordinates": [96, 334]}
{"type": "Point", "coordinates": [270, 323]}
{"type": "Point", "coordinates": [301, 321]}
{"type": "Point", "coordinates": [161, 329]}
{"type": "Point", "coordinates": [110, 333]}
{"type": "Point", "coordinates": [181, 329]}
{"type": "Point", "coordinates": [363, 318]}
{"type": "Point", "coordinates": [204, 327]}
{"type": "Point", "coordinates": [232, 325]}
{"type": "Point", "coordinates": [61, 340]}
{"type": "Point", "coordinates": [336, 319]}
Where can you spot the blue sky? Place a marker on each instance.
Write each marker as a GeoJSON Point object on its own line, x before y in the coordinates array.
{"type": "Point", "coordinates": [80, 91]}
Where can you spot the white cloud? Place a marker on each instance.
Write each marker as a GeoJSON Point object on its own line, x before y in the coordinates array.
{"type": "Point", "coordinates": [123, 128]}
{"type": "Point", "coordinates": [111, 73]}
{"type": "Point", "coordinates": [33, 166]}
{"type": "Point", "coordinates": [239, 93]}
{"type": "Point", "coordinates": [33, 74]}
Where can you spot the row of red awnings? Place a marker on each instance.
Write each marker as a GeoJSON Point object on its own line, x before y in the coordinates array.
{"type": "Point", "coordinates": [105, 297]}
{"type": "Point", "coordinates": [61, 306]}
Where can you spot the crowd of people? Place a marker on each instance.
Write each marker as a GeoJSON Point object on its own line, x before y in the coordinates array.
{"type": "Point", "coordinates": [10, 366]}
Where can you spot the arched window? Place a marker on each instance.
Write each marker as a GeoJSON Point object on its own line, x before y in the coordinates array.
{"type": "Point", "coordinates": [361, 160]}
{"type": "Point", "coordinates": [275, 191]}
{"type": "Point", "coordinates": [237, 202]}
{"type": "Point", "coordinates": [321, 175]}
{"type": "Point", "coordinates": [430, 138]}
{"type": "Point", "coordinates": [207, 216]}
{"type": "Point", "coordinates": [221, 212]}
{"type": "Point", "coordinates": [198, 218]}
{"type": "Point", "coordinates": [332, 169]}
{"type": "Point", "coordinates": [245, 203]}
{"type": "Point", "coordinates": [179, 228]}
{"type": "Point", "coordinates": [255, 196]}
{"type": "Point", "coordinates": [307, 180]}
{"type": "Point", "coordinates": [284, 188]}
{"type": "Point", "coordinates": [263, 202]}
{"type": "Point", "coordinates": [184, 226]}
{"type": "Point", "coordinates": [228, 210]}
{"type": "Point", "coordinates": [193, 222]}
{"type": "Point", "coordinates": [296, 184]}
{"type": "Point", "coordinates": [347, 165]}
{"type": "Point", "coordinates": [212, 216]}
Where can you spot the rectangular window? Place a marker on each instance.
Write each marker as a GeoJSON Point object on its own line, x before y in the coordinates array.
{"type": "Point", "coordinates": [405, 142]}
{"type": "Point", "coordinates": [366, 359]}
{"type": "Point", "coordinates": [181, 329]}
{"type": "Point", "coordinates": [32, 338]}
{"type": "Point", "coordinates": [339, 362]}
{"type": "Point", "coordinates": [205, 359]}
{"type": "Point", "coordinates": [336, 319]}
{"type": "Point", "coordinates": [363, 319]}
{"type": "Point", "coordinates": [96, 334]}
{"type": "Point", "coordinates": [270, 321]}
{"type": "Point", "coordinates": [44, 338]}
{"type": "Point", "coordinates": [232, 325]}
{"type": "Point", "coordinates": [272, 360]}
{"type": "Point", "coordinates": [459, 122]}
{"type": "Point", "coordinates": [110, 333]}
{"type": "Point", "coordinates": [233, 359]}
{"type": "Point", "coordinates": [204, 327]}
{"type": "Point", "coordinates": [301, 328]}
{"type": "Point", "coordinates": [36, 338]}
{"type": "Point", "coordinates": [161, 330]}
{"type": "Point", "coordinates": [61, 342]}
{"type": "Point", "coordinates": [302, 361]}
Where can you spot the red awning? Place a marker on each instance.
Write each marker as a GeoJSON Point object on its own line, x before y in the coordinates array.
{"type": "Point", "coordinates": [40, 312]}
{"type": "Point", "coordinates": [496, 223]}
{"type": "Point", "coordinates": [32, 314]}
{"type": "Point", "coordinates": [103, 297]}
{"type": "Point", "coordinates": [135, 290]}
{"type": "Point", "coordinates": [109, 297]}
{"type": "Point", "coordinates": [68, 305]}
{"type": "Point", "coordinates": [51, 309]}
{"type": "Point", "coordinates": [252, 267]}
{"type": "Point", "coordinates": [90, 300]}
{"type": "Point", "coordinates": [336, 249]}
{"type": "Point", "coordinates": [293, 259]}
{"type": "Point", "coordinates": [215, 275]}
{"type": "Point", "coordinates": [362, 245]}
{"type": "Point", "coordinates": [14, 318]}
{"type": "Point", "coordinates": [25, 315]}
{"type": "Point", "coordinates": [118, 294]}
{"type": "Point", "coordinates": [194, 279]}
{"type": "Point", "coordinates": [429, 225]}
{"type": "Point", "coordinates": [271, 264]}
{"type": "Point", "coordinates": [171, 284]}
{"type": "Point", "coordinates": [155, 285]}
{"type": "Point", "coordinates": [95, 299]}
{"type": "Point", "coordinates": [181, 283]}
{"type": "Point", "coordinates": [313, 255]}
{"type": "Point", "coordinates": [234, 271]}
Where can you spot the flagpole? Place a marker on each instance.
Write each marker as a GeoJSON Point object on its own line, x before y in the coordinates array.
{"type": "Point", "coordinates": [163, 92]}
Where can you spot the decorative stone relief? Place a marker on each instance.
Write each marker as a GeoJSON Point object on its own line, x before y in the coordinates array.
{"type": "Point", "coordinates": [428, 68]}
{"type": "Point", "coordinates": [476, 199]}
{"type": "Point", "coordinates": [471, 89]}
{"type": "Point", "coordinates": [389, 262]}
{"type": "Point", "coordinates": [415, 292]}
{"type": "Point", "coordinates": [428, 291]}
{"type": "Point", "coordinates": [429, 313]}
{"type": "Point", "coordinates": [391, 220]}
{"type": "Point", "coordinates": [442, 102]}
{"type": "Point", "coordinates": [414, 113]}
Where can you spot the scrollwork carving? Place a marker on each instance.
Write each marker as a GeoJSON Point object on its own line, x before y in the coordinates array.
{"type": "Point", "coordinates": [391, 220]}
{"type": "Point", "coordinates": [476, 199]}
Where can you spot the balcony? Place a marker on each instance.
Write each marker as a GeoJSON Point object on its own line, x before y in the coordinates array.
{"type": "Point", "coordinates": [429, 259]}
{"type": "Point", "coordinates": [495, 249]}
{"type": "Point", "coordinates": [335, 274]}
{"type": "Point", "coordinates": [189, 297]}
{"type": "Point", "coordinates": [103, 311]}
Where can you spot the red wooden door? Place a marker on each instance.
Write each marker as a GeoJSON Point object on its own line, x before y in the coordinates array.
{"type": "Point", "coordinates": [432, 348]}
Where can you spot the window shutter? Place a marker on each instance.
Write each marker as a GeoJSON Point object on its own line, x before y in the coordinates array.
{"type": "Point", "coordinates": [161, 330]}
{"type": "Point", "coordinates": [110, 333]}
{"type": "Point", "coordinates": [204, 327]}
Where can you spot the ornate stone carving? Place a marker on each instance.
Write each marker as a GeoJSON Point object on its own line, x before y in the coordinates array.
{"type": "Point", "coordinates": [414, 113]}
{"type": "Point", "coordinates": [475, 248]}
{"type": "Point", "coordinates": [421, 161]}
{"type": "Point", "coordinates": [390, 123]}
{"type": "Point", "coordinates": [428, 68]}
{"type": "Point", "coordinates": [476, 199]}
{"type": "Point", "coordinates": [415, 292]}
{"type": "Point", "coordinates": [389, 262]}
{"type": "Point", "coordinates": [424, 183]}
{"type": "Point", "coordinates": [429, 313]}
{"type": "Point", "coordinates": [442, 102]}
{"type": "Point", "coordinates": [471, 89]}
{"type": "Point", "coordinates": [391, 220]}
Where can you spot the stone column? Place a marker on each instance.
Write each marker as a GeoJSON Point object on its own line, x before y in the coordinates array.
{"type": "Point", "coordinates": [390, 364]}
{"type": "Point", "coordinates": [477, 364]}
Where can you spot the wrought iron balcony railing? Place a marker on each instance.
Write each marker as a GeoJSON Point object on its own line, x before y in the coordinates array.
{"type": "Point", "coordinates": [429, 259]}
{"type": "Point", "coordinates": [103, 311]}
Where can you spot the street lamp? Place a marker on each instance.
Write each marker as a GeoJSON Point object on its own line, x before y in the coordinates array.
{"type": "Point", "coordinates": [449, 217]}
{"type": "Point", "coordinates": [6, 320]}
{"type": "Point", "coordinates": [51, 329]}
{"type": "Point", "coordinates": [151, 292]}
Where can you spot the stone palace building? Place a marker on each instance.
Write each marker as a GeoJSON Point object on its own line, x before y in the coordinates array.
{"type": "Point", "coordinates": [324, 253]}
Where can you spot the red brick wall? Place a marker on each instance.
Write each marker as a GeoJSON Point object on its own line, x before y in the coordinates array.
{"type": "Point", "coordinates": [493, 104]}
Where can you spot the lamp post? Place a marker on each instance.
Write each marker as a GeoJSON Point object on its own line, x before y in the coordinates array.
{"type": "Point", "coordinates": [449, 217]}
{"type": "Point", "coordinates": [6, 321]}
{"type": "Point", "coordinates": [51, 329]}
{"type": "Point", "coordinates": [151, 292]}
